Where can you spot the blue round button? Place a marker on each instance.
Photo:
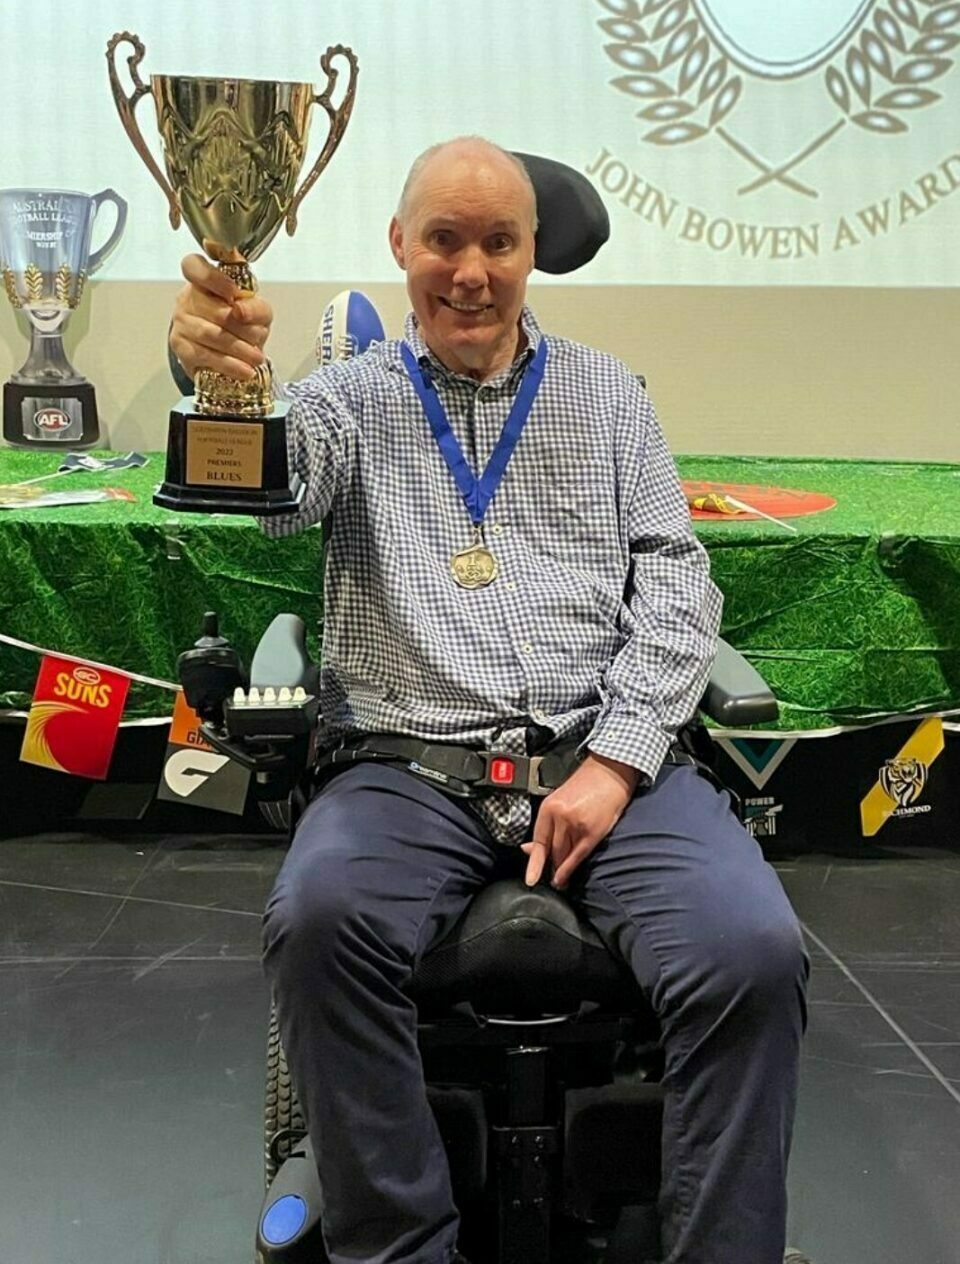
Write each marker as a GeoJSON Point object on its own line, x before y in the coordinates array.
{"type": "Point", "coordinates": [283, 1220]}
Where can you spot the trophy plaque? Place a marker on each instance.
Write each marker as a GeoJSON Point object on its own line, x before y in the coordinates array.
{"type": "Point", "coordinates": [233, 150]}
{"type": "Point", "coordinates": [45, 258]}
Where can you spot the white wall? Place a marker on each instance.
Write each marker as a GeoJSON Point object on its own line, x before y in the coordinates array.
{"type": "Point", "coordinates": [836, 372]}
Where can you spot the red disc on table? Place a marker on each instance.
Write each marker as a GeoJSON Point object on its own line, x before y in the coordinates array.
{"type": "Point", "coordinates": [779, 502]}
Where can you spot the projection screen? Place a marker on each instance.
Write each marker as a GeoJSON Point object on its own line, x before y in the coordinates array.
{"type": "Point", "coordinates": [735, 142]}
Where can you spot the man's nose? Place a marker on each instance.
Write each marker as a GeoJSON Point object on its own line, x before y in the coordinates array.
{"type": "Point", "coordinates": [471, 269]}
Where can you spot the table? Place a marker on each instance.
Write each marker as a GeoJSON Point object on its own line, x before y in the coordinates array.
{"type": "Point", "coordinates": [857, 616]}
{"type": "Point", "coordinates": [854, 618]}
{"type": "Point", "coordinates": [126, 584]}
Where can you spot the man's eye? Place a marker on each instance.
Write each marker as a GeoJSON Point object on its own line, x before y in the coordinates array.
{"type": "Point", "coordinates": [501, 242]}
{"type": "Point", "coordinates": [440, 237]}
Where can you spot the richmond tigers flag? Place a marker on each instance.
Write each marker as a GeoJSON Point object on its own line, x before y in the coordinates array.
{"type": "Point", "coordinates": [74, 717]}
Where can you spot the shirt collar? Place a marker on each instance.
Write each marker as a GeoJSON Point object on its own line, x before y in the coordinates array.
{"type": "Point", "coordinates": [509, 376]}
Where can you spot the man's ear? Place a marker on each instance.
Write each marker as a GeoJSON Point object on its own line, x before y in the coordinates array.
{"type": "Point", "coordinates": [533, 256]}
{"type": "Point", "coordinates": [396, 242]}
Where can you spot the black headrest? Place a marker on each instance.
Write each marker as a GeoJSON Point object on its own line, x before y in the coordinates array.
{"type": "Point", "coordinates": [573, 220]}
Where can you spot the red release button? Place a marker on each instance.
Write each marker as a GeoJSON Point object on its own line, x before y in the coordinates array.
{"type": "Point", "coordinates": [502, 771]}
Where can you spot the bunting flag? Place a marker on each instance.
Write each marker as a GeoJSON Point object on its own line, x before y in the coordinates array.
{"type": "Point", "coordinates": [903, 778]}
{"type": "Point", "coordinates": [194, 772]}
{"type": "Point", "coordinates": [74, 717]}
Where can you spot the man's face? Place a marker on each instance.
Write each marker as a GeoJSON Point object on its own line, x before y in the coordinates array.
{"type": "Point", "coordinates": [466, 243]}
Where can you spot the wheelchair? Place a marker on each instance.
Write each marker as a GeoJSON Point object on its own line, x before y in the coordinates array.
{"type": "Point", "coordinates": [540, 1051]}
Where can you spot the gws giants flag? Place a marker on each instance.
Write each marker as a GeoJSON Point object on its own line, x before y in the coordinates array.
{"type": "Point", "coordinates": [194, 772]}
{"type": "Point", "coordinates": [74, 717]}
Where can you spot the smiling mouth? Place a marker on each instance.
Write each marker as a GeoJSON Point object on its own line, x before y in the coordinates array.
{"type": "Point", "coordinates": [468, 309]}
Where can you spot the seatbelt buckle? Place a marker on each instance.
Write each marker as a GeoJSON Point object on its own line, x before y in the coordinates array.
{"type": "Point", "coordinates": [504, 771]}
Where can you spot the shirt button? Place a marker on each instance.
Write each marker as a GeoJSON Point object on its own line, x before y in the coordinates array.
{"type": "Point", "coordinates": [512, 586]}
{"type": "Point", "coordinates": [527, 647]}
{"type": "Point", "coordinates": [497, 529]}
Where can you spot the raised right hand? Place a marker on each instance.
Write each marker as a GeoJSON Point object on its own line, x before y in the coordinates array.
{"type": "Point", "coordinates": [214, 327]}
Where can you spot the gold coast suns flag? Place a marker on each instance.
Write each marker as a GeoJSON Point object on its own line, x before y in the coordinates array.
{"type": "Point", "coordinates": [74, 717]}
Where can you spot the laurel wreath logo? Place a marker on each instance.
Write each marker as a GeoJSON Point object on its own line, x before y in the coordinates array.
{"type": "Point", "coordinates": [33, 283]}
{"type": "Point", "coordinates": [63, 286]}
{"type": "Point", "coordinates": [10, 285]}
{"type": "Point", "coordinates": [906, 50]}
{"type": "Point", "coordinates": [654, 39]}
{"type": "Point", "coordinates": [687, 87]}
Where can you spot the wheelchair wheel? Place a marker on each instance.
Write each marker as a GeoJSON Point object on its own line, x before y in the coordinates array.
{"type": "Point", "coordinates": [276, 813]}
{"type": "Point", "coordinates": [283, 1119]}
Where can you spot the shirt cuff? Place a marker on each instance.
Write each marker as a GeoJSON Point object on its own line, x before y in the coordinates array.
{"type": "Point", "coordinates": [630, 739]}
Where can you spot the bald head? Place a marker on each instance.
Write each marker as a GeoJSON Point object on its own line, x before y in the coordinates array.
{"type": "Point", "coordinates": [464, 235]}
{"type": "Point", "coordinates": [468, 152]}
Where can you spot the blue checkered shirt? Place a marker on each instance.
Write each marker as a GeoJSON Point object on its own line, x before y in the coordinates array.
{"type": "Point", "coordinates": [602, 622]}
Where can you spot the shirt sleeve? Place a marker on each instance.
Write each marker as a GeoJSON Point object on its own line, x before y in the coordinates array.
{"type": "Point", "coordinates": [321, 434]}
{"type": "Point", "coordinates": [672, 608]}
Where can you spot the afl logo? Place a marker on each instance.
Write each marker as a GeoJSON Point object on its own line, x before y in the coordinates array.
{"type": "Point", "coordinates": [51, 420]}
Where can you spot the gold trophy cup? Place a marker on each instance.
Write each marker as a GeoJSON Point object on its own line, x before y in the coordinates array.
{"type": "Point", "coordinates": [233, 150]}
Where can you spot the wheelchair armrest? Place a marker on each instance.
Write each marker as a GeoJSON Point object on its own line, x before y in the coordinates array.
{"type": "Point", "coordinates": [736, 693]}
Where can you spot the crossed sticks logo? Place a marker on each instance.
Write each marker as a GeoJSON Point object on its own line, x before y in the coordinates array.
{"type": "Point", "coordinates": [699, 73]}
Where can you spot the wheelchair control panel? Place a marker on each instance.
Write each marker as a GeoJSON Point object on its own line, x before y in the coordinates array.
{"type": "Point", "coordinates": [265, 718]}
{"type": "Point", "coordinates": [270, 712]}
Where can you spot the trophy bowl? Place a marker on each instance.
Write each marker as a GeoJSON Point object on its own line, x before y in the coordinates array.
{"type": "Point", "coordinates": [45, 259]}
{"type": "Point", "coordinates": [233, 150]}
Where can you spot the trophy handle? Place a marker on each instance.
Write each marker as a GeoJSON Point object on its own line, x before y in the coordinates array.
{"type": "Point", "coordinates": [339, 118]}
{"type": "Point", "coordinates": [98, 256]}
{"type": "Point", "coordinates": [126, 107]}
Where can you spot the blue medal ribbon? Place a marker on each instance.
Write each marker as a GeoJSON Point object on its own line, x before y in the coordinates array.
{"type": "Point", "coordinates": [477, 492]}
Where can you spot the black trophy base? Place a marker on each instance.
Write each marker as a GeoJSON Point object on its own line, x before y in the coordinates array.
{"type": "Point", "coordinates": [231, 465]}
{"type": "Point", "coordinates": [57, 418]}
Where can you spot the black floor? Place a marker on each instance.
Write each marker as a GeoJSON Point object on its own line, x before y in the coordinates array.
{"type": "Point", "coordinates": [133, 1022]}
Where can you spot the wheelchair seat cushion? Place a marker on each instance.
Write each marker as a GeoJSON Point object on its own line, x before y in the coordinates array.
{"type": "Point", "coordinates": [523, 952]}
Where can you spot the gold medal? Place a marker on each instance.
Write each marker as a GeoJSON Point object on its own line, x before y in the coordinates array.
{"type": "Point", "coordinates": [476, 566]}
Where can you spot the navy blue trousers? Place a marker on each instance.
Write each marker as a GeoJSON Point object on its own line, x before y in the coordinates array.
{"type": "Point", "coordinates": [381, 867]}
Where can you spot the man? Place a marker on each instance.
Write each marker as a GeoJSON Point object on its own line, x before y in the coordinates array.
{"type": "Point", "coordinates": [560, 600]}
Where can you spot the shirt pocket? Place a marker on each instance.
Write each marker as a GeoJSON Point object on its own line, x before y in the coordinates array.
{"type": "Point", "coordinates": [580, 520]}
